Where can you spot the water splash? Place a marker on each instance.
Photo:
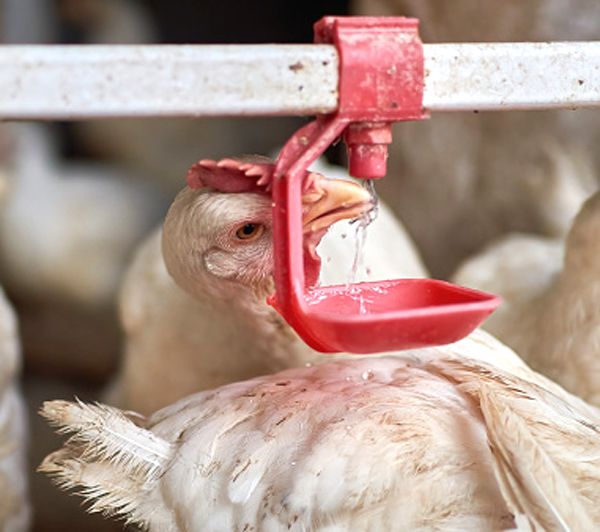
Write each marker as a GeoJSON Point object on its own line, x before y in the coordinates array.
{"type": "Point", "coordinates": [358, 265]}
{"type": "Point", "coordinates": [369, 185]}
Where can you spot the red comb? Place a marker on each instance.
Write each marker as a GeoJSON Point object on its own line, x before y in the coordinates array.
{"type": "Point", "coordinates": [230, 175]}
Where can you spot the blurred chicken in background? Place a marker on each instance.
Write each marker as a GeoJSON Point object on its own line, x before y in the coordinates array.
{"type": "Point", "coordinates": [66, 234]}
{"type": "Point", "coordinates": [15, 511]}
{"type": "Point", "coordinates": [551, 291]}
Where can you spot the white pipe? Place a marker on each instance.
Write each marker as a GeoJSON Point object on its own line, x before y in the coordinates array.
{"type": "Point", "coordinates": [502, 76]}
{"type": "Point", "coordinates": [72, 82]}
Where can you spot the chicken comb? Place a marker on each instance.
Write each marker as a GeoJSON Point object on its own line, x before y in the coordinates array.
{"type": "Point", "coordinates": [231, 175]}
{"type": "Point", "coordinates": [251, 174]}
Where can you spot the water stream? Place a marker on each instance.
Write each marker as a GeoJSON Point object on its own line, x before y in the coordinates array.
{"type": "Point", "coordinates": [358, 265]}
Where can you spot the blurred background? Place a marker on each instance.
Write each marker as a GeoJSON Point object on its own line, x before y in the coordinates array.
{"type": "Point", "coordinates": [76, 198]}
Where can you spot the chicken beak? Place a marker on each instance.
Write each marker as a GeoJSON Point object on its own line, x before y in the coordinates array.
{"type": "Point", "coordinates": [327, 201]}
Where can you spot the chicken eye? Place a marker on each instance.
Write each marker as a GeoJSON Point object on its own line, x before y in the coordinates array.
{"type": "Point", "coordinates": [250, 231]}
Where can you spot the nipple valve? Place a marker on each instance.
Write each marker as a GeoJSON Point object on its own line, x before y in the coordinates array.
{"type": "Point", "coordinates": [367, 147]}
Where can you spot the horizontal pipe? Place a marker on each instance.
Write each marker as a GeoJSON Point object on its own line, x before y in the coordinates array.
{"type": "Point", "coordinates": [510, 76]}
{"type": "Point", "coordinates": [95, 81]}
{"type": "Point", "coordinates": [74, 82]}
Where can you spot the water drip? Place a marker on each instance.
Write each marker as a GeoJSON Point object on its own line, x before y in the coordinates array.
{"type": "Point", "coordinates": [358, 265]}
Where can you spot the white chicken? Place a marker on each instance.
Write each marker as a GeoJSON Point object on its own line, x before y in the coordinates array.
{"type": "Point", "coordinates": [463, 436]}
{"type": "Point", "coordinates": [517, 266]}
{"type": "Point", "coordinates": [218, 329]}
{"type": "Point", "coordinates": [551, 315]}
{"type": "Point", "coordinates": [14, 500]}
{"type": "Point", "coordinates": [67, 232]}
{"type": "Point", "coordinates": [460, 437]}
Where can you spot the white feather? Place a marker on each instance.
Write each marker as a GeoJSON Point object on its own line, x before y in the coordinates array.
{"type": "Point", "coordinates": [430, 439]}
{"type": "Point", "coordinates": [112, 458]}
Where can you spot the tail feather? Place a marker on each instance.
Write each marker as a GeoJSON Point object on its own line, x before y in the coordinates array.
{"type": "Point", "coordinates": [113, 461]}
